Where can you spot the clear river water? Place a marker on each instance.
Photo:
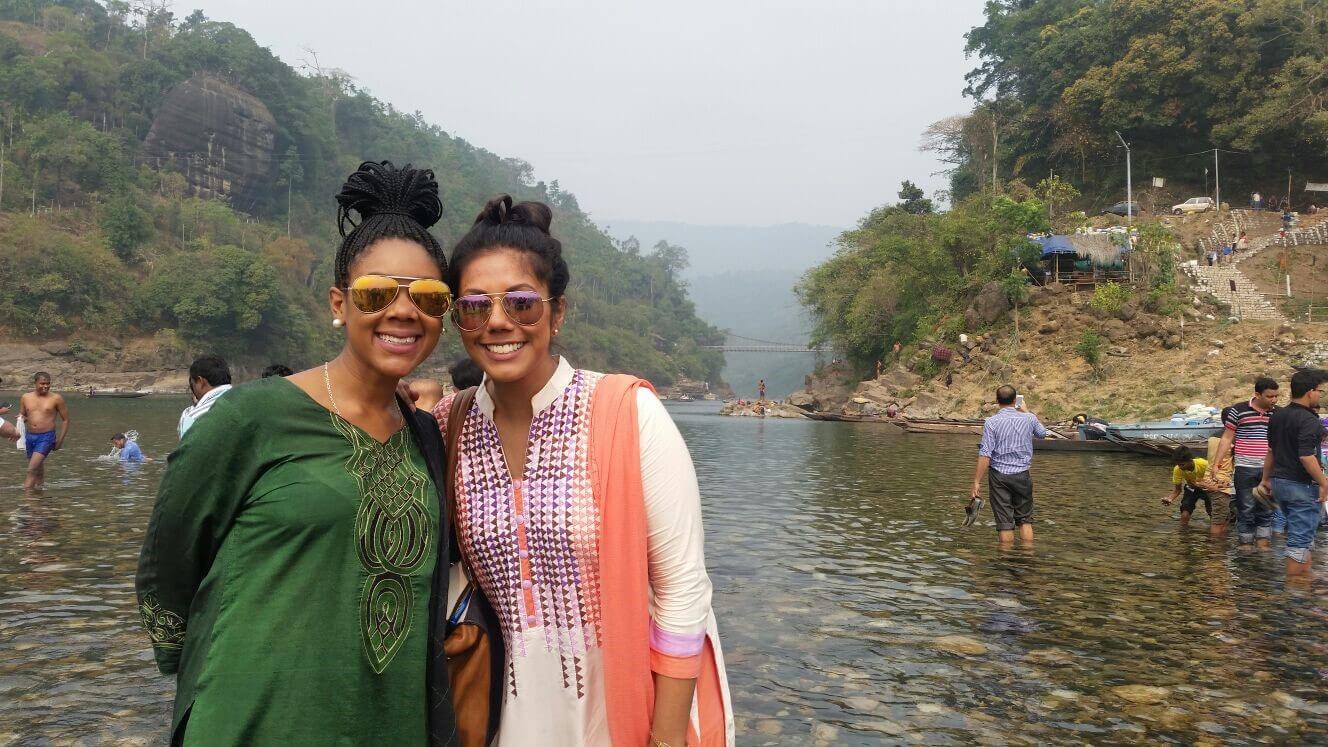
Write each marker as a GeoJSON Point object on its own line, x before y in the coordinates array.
{"type": "Point", "coordinates": [854, 606]}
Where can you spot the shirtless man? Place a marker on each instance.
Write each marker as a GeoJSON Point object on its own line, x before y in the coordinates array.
{"type": "Point", "coordinates": [39, 408]}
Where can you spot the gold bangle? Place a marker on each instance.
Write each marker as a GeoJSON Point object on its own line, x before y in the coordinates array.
{"type": "Point", "coordinates": [657, 741]}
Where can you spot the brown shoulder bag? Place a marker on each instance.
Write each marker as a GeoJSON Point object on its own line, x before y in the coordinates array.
{"type": "Point", "coordinates": [467, 643]}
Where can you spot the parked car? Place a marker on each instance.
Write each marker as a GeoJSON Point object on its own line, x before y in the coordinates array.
{"type": "Point", "coordinates": [1124, 208]}
{"type": "Point", "coordinates": [1193, 205]}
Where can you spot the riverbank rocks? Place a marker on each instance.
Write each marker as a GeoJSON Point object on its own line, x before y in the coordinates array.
{"type": "Point", "coordinates": [766, 409]}
{"type": "Point", "coordinates": [928, 405]}
{"type": "Point", "coordinates": [898, 380]}
{"type": "Point", "coordinates": [1050, 327]}
{"type": "Point", "coordinates": [1127, 312]}
{"type": "Point", "coordinates": [991, 302]}
{"type": "Point", "coordinates": [1116, 330]}
{"type": "Point", "coordinates": [960, 645]}
{"type": "Point", "coordinates": [801, 399]}
{"type": "Point", "coordinates": [1141, 694]}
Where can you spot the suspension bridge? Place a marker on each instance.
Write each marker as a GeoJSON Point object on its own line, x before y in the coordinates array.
{"type": "Point", "coordinates": [739, 344]}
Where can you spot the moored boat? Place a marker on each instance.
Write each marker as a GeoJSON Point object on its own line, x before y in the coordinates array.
{"type": "Point", "coordinates": [1165, 431]}
{"type": "Point", "coordinates": [122, 393]}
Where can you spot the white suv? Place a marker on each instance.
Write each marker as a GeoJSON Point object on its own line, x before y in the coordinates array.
{"type": "Point", "coordinates": [1193, 205]}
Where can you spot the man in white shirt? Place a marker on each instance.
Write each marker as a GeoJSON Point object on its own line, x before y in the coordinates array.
{"type": "Point", "coordinates": [209, 378]}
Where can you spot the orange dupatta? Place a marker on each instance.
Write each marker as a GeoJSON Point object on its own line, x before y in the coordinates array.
{"type": "Point", "coordinates": [629, 693]}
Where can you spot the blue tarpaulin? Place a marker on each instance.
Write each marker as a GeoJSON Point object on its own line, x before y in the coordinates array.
{"type": "Point", "coordinates": [1056, 245]}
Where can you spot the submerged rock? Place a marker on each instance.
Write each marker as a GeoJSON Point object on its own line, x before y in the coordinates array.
{"type": "Point", "coordinates": [1141, 693]}
{"type": "Point", "coordinates": [959, 644]}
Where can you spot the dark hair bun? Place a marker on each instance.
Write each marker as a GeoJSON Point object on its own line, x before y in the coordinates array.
{"type": "Point", "coordinates": [500, 210]}
{"type": "Point", "coordinates": [380, 188]}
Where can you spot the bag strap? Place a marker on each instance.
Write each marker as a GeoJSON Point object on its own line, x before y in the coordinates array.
{"type": "Point", "coordinates": [451, 449]}
{"type": "Point", "coordinates": [455, 419]}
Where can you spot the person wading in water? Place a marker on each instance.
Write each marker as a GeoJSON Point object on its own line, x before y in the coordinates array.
{"type": "Point", "coordinates": [39, 409]}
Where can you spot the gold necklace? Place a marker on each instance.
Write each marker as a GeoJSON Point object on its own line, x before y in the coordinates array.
{"type": "Point", "coordinates": [327, 382]}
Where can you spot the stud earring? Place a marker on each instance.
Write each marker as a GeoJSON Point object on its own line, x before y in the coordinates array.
{"type": "Point", "coordinates": [337, 323]}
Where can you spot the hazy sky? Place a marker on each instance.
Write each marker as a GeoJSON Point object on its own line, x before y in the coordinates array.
{"type": "Point", "coordinates": [715, 112]}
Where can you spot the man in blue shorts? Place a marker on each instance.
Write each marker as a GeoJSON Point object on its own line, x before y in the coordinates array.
{"type": "Point", "coordinates": [39, 408]}
{"type": "Point", "coordinates": [1293, 469]}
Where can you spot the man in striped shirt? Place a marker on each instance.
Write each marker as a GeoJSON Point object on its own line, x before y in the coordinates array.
{"type": "Point", "coordinates": [1246, 426]}
{"type": "Point", "coordinates": [1005, 454]}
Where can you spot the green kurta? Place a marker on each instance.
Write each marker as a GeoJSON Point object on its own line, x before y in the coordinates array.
{"type": "Point", "coordinates": [286, 576]}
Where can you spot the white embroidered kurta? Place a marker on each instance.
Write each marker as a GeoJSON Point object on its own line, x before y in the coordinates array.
{"type": "Point", "coordinates": [533, 544]}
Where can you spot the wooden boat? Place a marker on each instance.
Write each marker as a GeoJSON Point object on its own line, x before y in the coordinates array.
{"type": "Point", "coordinates": [835, 417]}
{"type": "Point", "coordinates": [1119, 446]}
{"type": "Point", "coordinates": [121, 393]}
{"type": "Point", "coordinates": [1165, 431]}
{"type": "Point", "coordinates": [957, 426]}
{"type": "Point", "coordinates": [914, 426]}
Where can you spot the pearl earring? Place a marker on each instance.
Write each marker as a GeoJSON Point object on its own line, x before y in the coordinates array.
{"type": "Point", "coordinates": [337, 323]}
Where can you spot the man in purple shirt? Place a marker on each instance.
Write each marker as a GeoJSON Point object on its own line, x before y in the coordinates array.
{"type": "Point", "coordinates": [1005, 455]}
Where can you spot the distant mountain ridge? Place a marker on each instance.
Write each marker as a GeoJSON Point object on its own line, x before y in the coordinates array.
{"type": "Point", "coordinates": [741, 279]}
{"type": "Point", "coordinates": [793, 247]}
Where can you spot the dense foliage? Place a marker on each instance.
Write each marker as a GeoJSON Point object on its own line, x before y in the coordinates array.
{"type": "Point", "coordinates": [1057, 78]}
{"type": "Point", "coordinates": [902, 276]}
{"type": "Point", "coordinates": [117, 246]}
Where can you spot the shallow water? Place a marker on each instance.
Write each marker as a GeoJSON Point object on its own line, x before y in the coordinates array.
{"type": "Point", "coordinates": [845, 586]}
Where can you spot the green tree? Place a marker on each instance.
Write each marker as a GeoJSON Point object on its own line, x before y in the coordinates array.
{"type": "Point", "coordinates": [913, 200]}
{"type": "Point", "coordinates": [125, 226]}
{"type": "Point", "coordinates": [1089, 347]}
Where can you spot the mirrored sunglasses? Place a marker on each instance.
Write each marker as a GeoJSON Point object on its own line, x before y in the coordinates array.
{"type": "Point", "coordinates": [373, 293]}
{"type": "Point", "coordinates": [523, 307]}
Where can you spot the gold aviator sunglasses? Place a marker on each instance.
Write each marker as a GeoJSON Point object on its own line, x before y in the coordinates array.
{"type": "Point", "coordinates": [373, 293]}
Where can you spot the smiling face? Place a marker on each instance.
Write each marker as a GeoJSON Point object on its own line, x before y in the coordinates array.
{"type": "Point", "coordinates": [391, 342]}
{"type": "Point", "coordinates": [42, 386]}
{"type": "Point", "coordinates": [510, 352]}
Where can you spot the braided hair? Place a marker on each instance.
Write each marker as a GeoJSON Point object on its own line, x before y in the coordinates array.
{"type": "Point", "coordinates": [391, 203]}
{"type": "Point", "coordinates": [523, 226]}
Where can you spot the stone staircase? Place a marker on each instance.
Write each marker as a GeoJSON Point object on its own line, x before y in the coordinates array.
{"type": "Point", "coordinates": [1245, 300]}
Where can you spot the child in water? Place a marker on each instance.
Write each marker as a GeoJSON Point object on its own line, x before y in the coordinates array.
{"type": "Point", "coordinates": [1189, 474]}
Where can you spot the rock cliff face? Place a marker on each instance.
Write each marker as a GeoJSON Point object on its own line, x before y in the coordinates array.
{"type": "Point", "coordinates": [220, 137]}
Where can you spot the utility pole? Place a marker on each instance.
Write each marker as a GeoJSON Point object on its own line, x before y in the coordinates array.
{"type": "Point", "coordinates": [2, 173]}
{"type": "Point", "coordinates": [1129, 181]}
{"type": "Point", "coordinates": [1051, 187]}
{"type": "Point", "coordinates": [1217, 184]}
{"type": "Point", "coordinates": [1288, 191]}
{"type": "Point", "coordinates": [995, 142]}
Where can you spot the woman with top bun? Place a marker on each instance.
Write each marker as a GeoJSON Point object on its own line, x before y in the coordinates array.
{"type": "Point", "coordinates": [288, 575]}
{"type": "Point", "coordinates": [578, 514]}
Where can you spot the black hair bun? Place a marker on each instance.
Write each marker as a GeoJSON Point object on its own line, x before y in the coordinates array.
{"type": "Point", "coordinates": [380, 188]}
{"type": "Point", "coordinates": [499, 210]}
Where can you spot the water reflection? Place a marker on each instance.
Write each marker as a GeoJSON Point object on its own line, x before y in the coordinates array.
{"type": "Point", "coordinates": [854, 607]}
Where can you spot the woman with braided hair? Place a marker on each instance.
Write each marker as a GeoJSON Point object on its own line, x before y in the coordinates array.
{"type": "Point", "coordinates": [577, 513]}
{"type": "Point", "coordinates": [293, 557]}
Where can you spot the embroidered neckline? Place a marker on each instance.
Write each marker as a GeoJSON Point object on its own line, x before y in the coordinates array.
{"type": "Point", "coordinates": [393, 534]}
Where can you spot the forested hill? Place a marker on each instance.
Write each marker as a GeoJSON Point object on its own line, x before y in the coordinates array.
{"type": "Point", "coordinates": [1057, 79]}
{"type": "Point", "coordinates": [108, 230]}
